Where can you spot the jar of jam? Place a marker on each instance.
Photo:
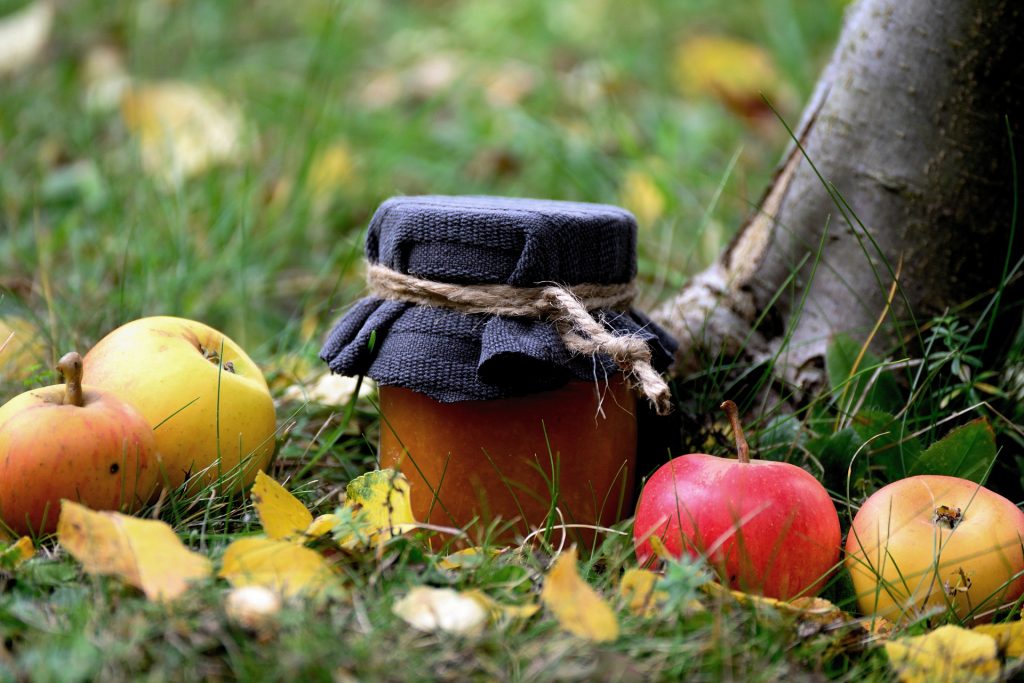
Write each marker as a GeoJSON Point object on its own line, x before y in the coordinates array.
{"type": "Point", "coordinates": [510, 363]}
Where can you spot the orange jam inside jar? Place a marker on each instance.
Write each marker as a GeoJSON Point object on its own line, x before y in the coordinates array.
{"type": "Point", "coordinates": [509, 361]}
{"type": "Point", "coordinates": [515, 459]}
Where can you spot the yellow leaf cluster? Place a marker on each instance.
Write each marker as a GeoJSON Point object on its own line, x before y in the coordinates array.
{"type": "Point", "coordinates": [280, 561]}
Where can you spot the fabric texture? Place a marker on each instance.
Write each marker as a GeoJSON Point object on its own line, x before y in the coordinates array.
{"type": "Point", "coordinates": [451, 356]}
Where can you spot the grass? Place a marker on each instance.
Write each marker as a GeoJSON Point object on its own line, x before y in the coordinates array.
{"type": "Point", "coordinates": [267, 251]}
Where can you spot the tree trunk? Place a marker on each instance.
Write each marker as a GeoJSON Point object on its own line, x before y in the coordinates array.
{"type": "Point", "coordinates": [908, 123]}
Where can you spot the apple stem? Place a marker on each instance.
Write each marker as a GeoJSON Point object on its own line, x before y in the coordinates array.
{"type": "Point", "coordinates": [70, 367]}
{"type": "Point", "coordinates": [733, 413]}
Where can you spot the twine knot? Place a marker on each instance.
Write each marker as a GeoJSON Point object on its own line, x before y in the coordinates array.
{"type": "Point", "coordinates": [569, 308]}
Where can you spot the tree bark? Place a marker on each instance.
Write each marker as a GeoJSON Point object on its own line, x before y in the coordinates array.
{"type": "Point", "coordinates": [908, 123]}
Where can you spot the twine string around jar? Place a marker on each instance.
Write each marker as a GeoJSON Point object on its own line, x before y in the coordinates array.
{"type": "Point", "coordinates": [569, 308]}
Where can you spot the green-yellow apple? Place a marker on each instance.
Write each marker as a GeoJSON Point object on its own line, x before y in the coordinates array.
{"type": "Point", "coordinates": [66, 441]}
{"type": "Point", "coordinates": [935, 542]}
{"type": "Point", "coordinates": [206, 399]}
{"type": "Point", "coordinates": [765, 527]}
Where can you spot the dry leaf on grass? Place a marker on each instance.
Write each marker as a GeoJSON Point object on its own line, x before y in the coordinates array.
{"type": "Point", "coordinates": [144, 553]}
{"type": "Point", "coordinates": [1009, 636]}
{"type": "Point", "coordinates": [465, 612]}
{"type": "Point", "coordinates": [182, 129]}
{"type": "Point", "coordinates": [949, 654]}
{"type": "Point", "coordinates": [332, 172]}
{"type": "Point", "coordinates": [441, 609]}
{"type": "Point", "coordinates": [733, 71]}
{"type": "Point", "coordinates": [641, 195]}
{"type": "Point", "coordinates": [329, 390]}
{"type": "Point", "coordinates": [23, 35]}
{"type": "Point", "coordinates": [382, 498]}
{"type": "Point", "coordinates": [281, 514]}
{"type": "Point", "coordinates": [287, 568]}
{"type": "Point", "coordinates": [638, 589]}
{"type": "Point", "coordinates": [16, 553]}
{"type": "Point", "coordinates": [468, 558]}
{"type": "Point", "coordinates": [577, 607]}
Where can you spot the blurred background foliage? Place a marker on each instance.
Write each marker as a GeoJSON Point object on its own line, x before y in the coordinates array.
{"type": "Point", "coordinates": [219, 159]}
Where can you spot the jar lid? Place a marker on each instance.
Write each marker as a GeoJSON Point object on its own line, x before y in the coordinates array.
{"type": "Point", "coordinates": [452, 355]}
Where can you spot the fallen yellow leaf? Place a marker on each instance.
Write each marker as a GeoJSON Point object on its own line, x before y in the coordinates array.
{"type": "Point", "coordinates": [321, 526]}
{"type": "Point", "coordinates": [468, 558]}
{"type": "Point", "coordinates": [733, 71]}
{"type": "Point", "coordinates": [182, 129]}
{"type": "Point", "coordinates": [382, 498]}
{"type": "Point", "coordinates": [660, 551]}
{"type": "Point", "coordinates": [281, 514]}
{"type": "Point", "coordinates": [1009, 636]}
{"type": "Point", "coordinates": [286, 568]}
{"type": "Point", "coordinates": [331, 172]}
{"type": "Point", "coordinates": [441, 609]}
{"type": "Point", "coordinates": [577, 607]}
{"type": "Point", "coordinates": [949, 654]}
{"type": "Point", "coordinates": [23, 35]}
{"type": "Point", "coordinates": [16, 553]}
{"type": "Point", "coordinates": [640, 194]}
{"type": "Point", "coordinates": [638, 589]}
{"type": "Point", "coordinates": [144, 553]}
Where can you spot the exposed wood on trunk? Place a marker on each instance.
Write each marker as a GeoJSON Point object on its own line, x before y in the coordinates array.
{"type": "Point", "coordinates": [908, 123]}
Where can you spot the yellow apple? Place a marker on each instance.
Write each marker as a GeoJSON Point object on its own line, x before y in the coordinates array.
{"type": "Point", "coordinates": [935, 542]}
{"type": "Point", "coordinates": [212, 419]}
{"type": "Point", "coordinates": [66, 441]}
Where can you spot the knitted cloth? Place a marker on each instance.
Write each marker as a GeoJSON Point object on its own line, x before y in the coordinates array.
{"type": "Point", "coordinates": [452, 356]}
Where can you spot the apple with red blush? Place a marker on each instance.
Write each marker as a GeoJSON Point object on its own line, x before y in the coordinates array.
{"type": "Point", "coordinates": [764, 526]}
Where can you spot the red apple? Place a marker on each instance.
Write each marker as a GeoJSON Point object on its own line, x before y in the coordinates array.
{"type": "Point", "coordinates": [66, 441]}
{"type": "Point", "coordinates": [934, 542]}
{"type": "Point", "coordinates": [766, 527]}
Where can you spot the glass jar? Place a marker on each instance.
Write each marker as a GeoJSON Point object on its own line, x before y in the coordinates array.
{"type": "Point", "coordinates": [498, 399]}
{"type": "Point", "coordinates": [515, 459]}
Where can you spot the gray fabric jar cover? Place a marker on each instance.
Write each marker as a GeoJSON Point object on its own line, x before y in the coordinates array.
{"type": "Point", "coordinates": [452, 356]}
